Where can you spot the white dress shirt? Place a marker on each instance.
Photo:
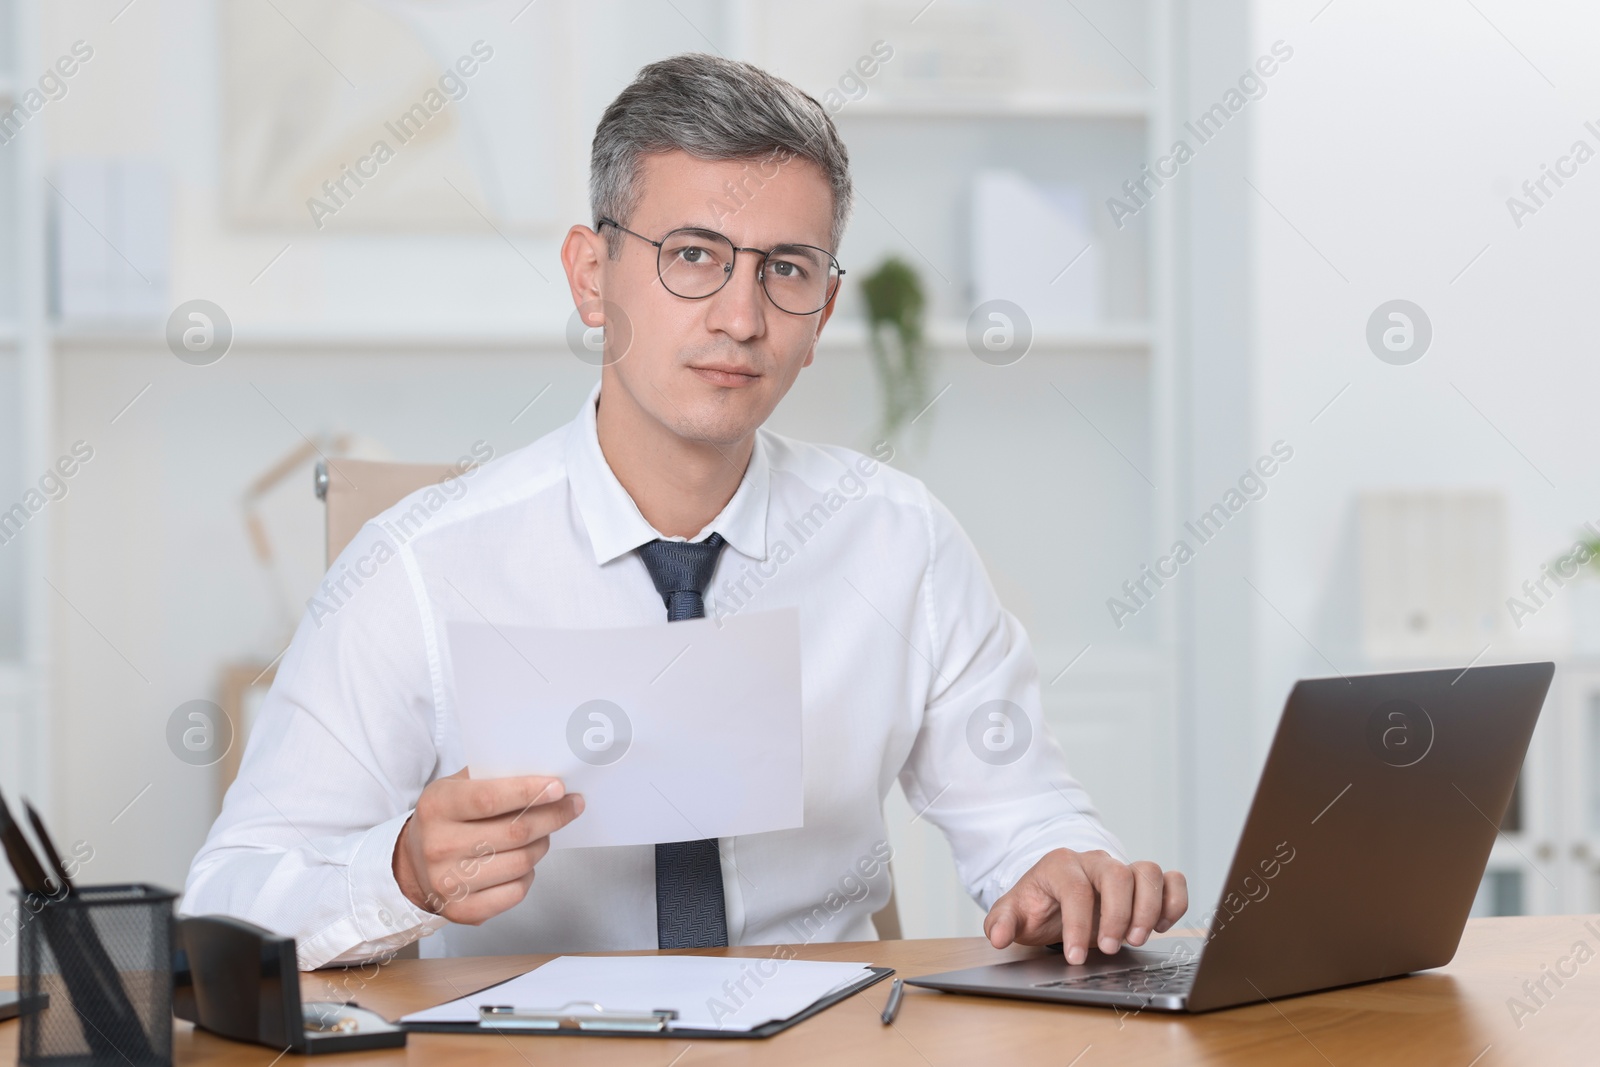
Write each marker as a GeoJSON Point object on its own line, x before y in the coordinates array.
{"type": "Point", "coordinates": [903, 640]}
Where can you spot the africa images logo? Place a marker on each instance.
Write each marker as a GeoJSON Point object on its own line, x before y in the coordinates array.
{"type": "Point", "coordinates": [999, 732]}
{"type": "Point", "coordinates": [1399, 332]}
{"type": "Point", "coordinates": [1400, 732]}
{"type": "Point", "coordinates": [599, 732]}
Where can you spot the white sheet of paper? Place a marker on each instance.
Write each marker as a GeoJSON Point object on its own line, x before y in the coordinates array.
{"type": "Point", "coordinates": [708, 992]}
{"type": "Point", "coordinates": [675, 732]}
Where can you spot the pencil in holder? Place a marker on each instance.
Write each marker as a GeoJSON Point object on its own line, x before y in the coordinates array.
{"type": "Point", "coordinates": [97, 966]}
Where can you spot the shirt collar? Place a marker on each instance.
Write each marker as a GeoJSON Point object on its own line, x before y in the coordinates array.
{"type": "Point", "coordinates": [615, 524]}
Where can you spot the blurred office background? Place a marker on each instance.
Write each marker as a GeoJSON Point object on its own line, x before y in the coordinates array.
{"type": "Point", "coordinates": [1341, 155]}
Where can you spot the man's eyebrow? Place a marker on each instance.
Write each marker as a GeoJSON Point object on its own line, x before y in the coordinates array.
{"type": "Point", "coordinates": [713, 229]}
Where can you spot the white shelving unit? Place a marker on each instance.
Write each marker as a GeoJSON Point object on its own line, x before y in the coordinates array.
{"type": "Point", "coordinates": [1108, 105]}
{"type": "Point", "coordinates": [1546, 860]}
{"type": "Point", "coordinates": [35, 403]}
{"type": "Point", "coordinates": [1568, 850]}
{"type": "Point", "coordinates": [25, 411]}
{"type": "Point", "coordinates": [1121, 698]}
{"type": "Point", "coordinates": [1129, 338]}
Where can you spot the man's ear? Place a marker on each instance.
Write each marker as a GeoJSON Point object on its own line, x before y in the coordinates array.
{"type": "Point", "coordinates": [583, 256]}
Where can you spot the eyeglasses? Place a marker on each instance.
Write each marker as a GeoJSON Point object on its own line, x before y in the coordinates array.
{"type": "Point", "coordinates": [695, 263]}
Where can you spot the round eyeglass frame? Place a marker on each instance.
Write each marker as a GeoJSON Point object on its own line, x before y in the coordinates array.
{"type": "Point", "coordinates": [761, 269]}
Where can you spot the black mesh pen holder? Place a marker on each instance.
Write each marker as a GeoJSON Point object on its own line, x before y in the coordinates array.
{"type": "Point", "coordinates": [97, 968]}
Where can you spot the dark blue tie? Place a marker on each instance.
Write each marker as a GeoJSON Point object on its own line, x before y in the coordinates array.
{"type": "Point", "coordinates": [690, 912]}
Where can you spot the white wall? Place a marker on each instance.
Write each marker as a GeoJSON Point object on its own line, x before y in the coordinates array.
{"type": "Point", "coordinates": [1392, 142]}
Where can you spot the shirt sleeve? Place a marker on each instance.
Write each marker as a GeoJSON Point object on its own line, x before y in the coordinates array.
{"type": "Point", "coordinates": [341, 748]}
{"type": "Point", "coordinates": [984, 767]}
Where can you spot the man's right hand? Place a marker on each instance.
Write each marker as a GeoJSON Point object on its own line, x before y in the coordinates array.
{"type": "Point", "coordinates": [468, 851]}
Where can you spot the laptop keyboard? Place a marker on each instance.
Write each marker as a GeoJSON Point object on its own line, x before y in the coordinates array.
{"type": "Point", "coordinates": [1168, 977]}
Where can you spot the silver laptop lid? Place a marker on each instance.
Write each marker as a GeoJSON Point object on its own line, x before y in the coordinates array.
{"type": "Point", "coordinates": [1370, 830]}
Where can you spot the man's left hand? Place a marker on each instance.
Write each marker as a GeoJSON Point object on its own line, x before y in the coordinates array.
{"type": "Point", "coordinates": [1067, 896]}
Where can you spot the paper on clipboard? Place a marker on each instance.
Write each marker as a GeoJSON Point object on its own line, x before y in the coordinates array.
{"type": "Point", "coordinates": [674, 732]}
{"type": "Point", "coordinates": [707, 992]}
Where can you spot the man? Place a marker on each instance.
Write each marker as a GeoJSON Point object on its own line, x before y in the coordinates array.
{"type": "Point", "coordinates": [720, 194]}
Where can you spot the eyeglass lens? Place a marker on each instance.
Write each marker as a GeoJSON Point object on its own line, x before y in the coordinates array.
{"type": "Point", "coordinates": [696, 263]}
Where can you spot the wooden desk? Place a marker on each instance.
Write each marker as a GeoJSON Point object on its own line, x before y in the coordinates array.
{"type": "Point", "coordinates": [1456, 1016]}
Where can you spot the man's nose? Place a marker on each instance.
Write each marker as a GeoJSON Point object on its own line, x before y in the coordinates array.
{"type": "Point", "coordinates": [739, 307]}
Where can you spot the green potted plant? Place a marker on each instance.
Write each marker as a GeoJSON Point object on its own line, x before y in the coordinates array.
{"type": "Point", "coordinates": [895, 308]}
{"type": "Point", "coordinates": [1586, 597]}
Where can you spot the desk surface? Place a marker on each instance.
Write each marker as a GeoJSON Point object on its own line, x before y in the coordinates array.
{"type": "Point", "coordinates": [1456, 1015]}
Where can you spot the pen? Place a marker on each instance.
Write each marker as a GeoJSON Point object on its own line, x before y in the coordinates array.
{"type": "Point", "coordinates": [90, 976]}
{"type": "Point", "coordinates": [49, 846]}
{"type": "Point", "coordinates": [30, 873]}
{"type": "Point", "coordinates": [892, 1008]}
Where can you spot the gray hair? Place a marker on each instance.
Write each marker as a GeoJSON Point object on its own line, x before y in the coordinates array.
{"type": "Point", "coordinates": [713, 109]}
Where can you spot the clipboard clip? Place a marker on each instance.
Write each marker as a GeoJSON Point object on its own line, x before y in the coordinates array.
{"type": "Point", "coordinates": [574, 1015]}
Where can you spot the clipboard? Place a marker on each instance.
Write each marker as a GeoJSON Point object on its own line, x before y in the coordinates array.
{"type": "Point", "coordinates": [582, 1018]}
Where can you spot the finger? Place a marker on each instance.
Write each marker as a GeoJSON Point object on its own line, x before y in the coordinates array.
{"type": "Point", "coordinates": [1114, 880]}
{"type": "Point", "coordinates": [1000, 925]}
{"type": "Point", "coordinates": [549, 791]}
{"type": "Point", "coordinates": [477, 873]}
{"type": "Point", "coordinates": [477, 908]}
{"type": "Point", "coordinates": [473, 799]}
{"type": "Point", "coordinates": [522, 828]}
{"type": "Point", "coordinates": [455, 850]}
{"type": "Point", "coordinates": [1175, 900]}
{"type": "Point", "coordinates": [1148, 893]}
{"type": "Point", "coordinates": [1075, 896]}
{"type": "Point", "coordinates": [1036, 909]}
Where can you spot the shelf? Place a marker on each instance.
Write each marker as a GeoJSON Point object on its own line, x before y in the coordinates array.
{"type": "Point", "coordinates": [89, 337]}
{"type": "Point", "coordinates": [1111, 336]}
{"type": "Point", "coordinates": [1090, 105]}
{"type": "Point", "coordinates": [841, 333]}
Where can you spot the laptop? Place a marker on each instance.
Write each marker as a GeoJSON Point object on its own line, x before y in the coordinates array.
{"type": "Point", "coordinates": [1360, 857]}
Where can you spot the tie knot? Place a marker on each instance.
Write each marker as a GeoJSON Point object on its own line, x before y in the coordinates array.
{"type": "Point", "coordinates": [681, 571]}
